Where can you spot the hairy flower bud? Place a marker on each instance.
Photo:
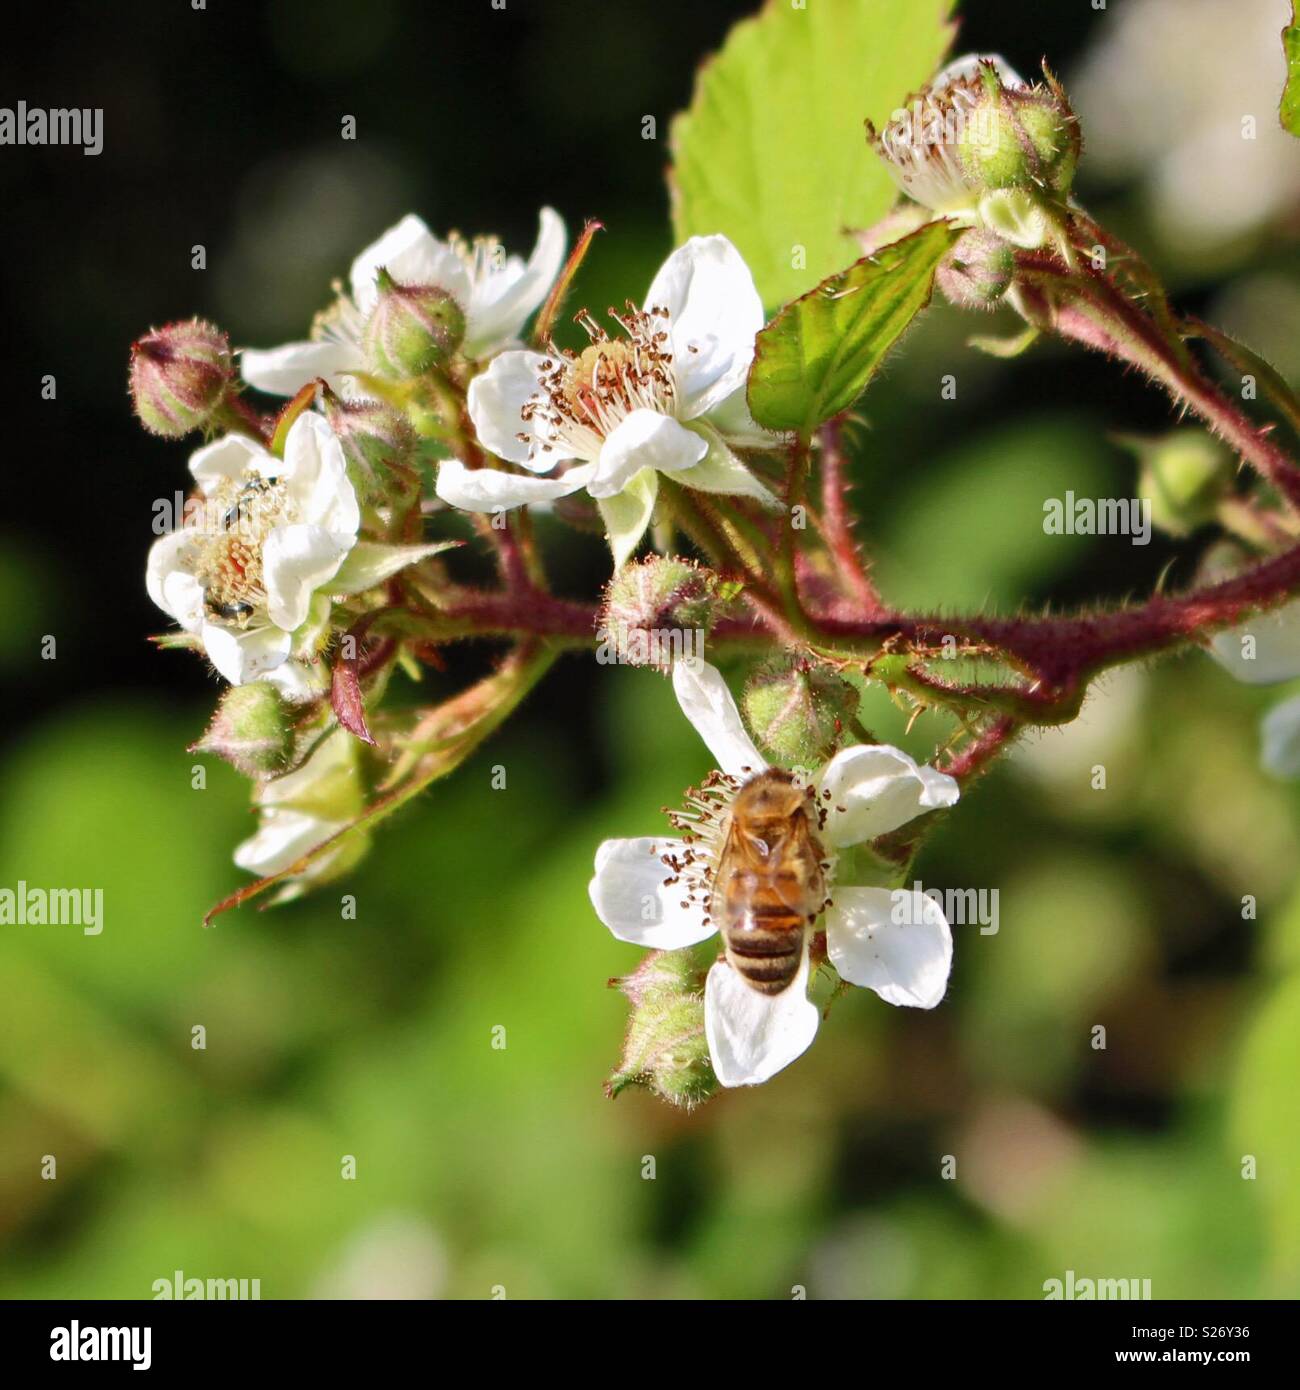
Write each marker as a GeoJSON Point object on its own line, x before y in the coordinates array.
{"type": "Point", "coordinates": [976, 128]}
{"type": "Point", "coordinates": [656, 611]}
{"type": "Point", "coordinates": [179, 375]}
{"type": "Point", "coordinates": [251, 730]}
{"type": "Point", "coordinates": [411, 328]}
{"type": "Point", "coordinates": [376, 441]}
{"type": "Point", "coordinates": [1184, 475]}
{"type": "Point", "coordinates": [666, 1050]}
{"type": "Point", "coordinates": [796, 710]}
{"type": "Point", "coordinates": [977, 271]}
{"type": "Point", "coordinates": [1020, 136]}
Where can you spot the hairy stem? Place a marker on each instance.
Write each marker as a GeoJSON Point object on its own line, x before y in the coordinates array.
{"type": "Point", "coordinates": [1087, 307]}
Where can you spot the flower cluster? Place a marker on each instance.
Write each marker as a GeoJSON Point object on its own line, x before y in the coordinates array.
{"type": "Point", "coordinates": [660, 892]}
{"type": "Point", "coordinates": [438, 398]}
{"type": "Point", "coordinates": [665, 395]}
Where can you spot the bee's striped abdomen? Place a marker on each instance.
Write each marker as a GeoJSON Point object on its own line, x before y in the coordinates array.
{"type": "Point", "coordinates": [769, 886]}
{"type": "Point", "coordinates": [764, 940]}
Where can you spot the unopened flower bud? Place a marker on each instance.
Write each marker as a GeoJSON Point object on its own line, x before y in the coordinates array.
{"type": "Point", "coordinates": [666, 1050]}
{"type": "Point", "coordinates": [376, 441]}
{"type": "Point", "coordinates": [1020, 136]}
{"type": "Point", "coordinates": [251, 730]}
{"type": "Point", "coordinates": [411, 328]}
{"type": "Point", "coordinates": [978, 127]}
{"type": "Point", "coordinates": [977, 271]}
{"type": "Point", "coordinates": [179, 375]}
{"type": "Point", "coordinates": [1184, 475]}
{"type": "Point", "coordinates": [797, 710]}
{"type": "Point", "coordinates": [657, 610]}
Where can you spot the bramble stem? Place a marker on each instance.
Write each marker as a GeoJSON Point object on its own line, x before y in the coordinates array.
{"type": "Point", "coordinates": [836, 525]}
{"type": "Point", "coordinates": [1086, 307]}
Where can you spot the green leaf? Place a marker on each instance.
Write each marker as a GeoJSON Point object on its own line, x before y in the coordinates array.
{"type": "Point", "coordinates": [814, 359]}
{"type": "Point", "coordinates": [772, 151]}
{"type": "Point", "coordinates": [627, 514]}
{"type": "Point", "coordinates": [1289, 114]}
{"type": "Point", "coordinates": [371, 562]}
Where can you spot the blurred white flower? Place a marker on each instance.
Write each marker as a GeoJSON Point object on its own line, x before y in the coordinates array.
{"type": "Point", "coordinates": [1280, 739]}
{"type": "Point", "coordinates": [497, 294]}
{"type": "Point", "coordinates": [666, 397]}
{"type": "Point", "coordinates": [1186, 93]}
{"type": "Point", "coordinates": [1265, 650]}
{"type": "Point", "coordinates": [396, 1256]}
{"type": "Point", "coordinates": [895, 943]}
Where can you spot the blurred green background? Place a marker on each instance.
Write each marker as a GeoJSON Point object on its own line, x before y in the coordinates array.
{"type": "Point", "coordinates": [478, 1167]}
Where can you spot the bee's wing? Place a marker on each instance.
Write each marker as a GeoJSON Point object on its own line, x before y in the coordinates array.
{"type": "Point", "coordinates": [728, 863]}
{"type": "Point", "coordinates": [802, 886]}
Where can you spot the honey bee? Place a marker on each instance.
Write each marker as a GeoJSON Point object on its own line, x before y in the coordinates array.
{"type": "Point", "coordinates": [770, 883]}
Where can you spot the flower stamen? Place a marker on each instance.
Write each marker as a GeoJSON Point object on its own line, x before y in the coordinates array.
{"type": "Point", "coordinates": [235, 521]}
{"type": "Point", "coordinates": [584, 396]}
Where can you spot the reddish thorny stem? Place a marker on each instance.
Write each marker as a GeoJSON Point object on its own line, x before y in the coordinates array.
{"type": "Point", "coordinates": [1054, 658]}
{"type": "Point", "coordinates": [1055, 652]}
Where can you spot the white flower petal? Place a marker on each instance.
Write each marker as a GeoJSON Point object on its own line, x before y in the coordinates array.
{"type": "Point", "coordinates": [644, 439]}
{"type": "Point", "coordinates": [171, 582]}
{"type": "Point", "coordinates": [227, 460]}
{"type": "Point", "coordinates": [283, 837]}
{"type": "Point", "coordinates": [707, 703]}
{"type": "Point", "coordinates": [874, 789]}
{"type": "Point", "coordinates": [491, 490]}
{"type": "Point", "coordinates": [315, 471]}
{"type": "Point", "coordinates": [285, 370]}
{"type": "Point", "coordinates": [968, 65]}
{"type": "Point", "coordinates": [1264, 649]}
{"type": "Point", "coordinates": [897, 944]}
{"type": "Point", "coordinates": [627, 514]}
{"type": "Point", "coordinates": [714, 316]}
{"type": "Point", "coordinates": [496, 401]}
{"type": "Point", "coordinates": [502, 300]}
{"type": "Point", "coordinates": [633, 899]}
{"type": "Point", "coordinates": [296, 561]}
{"type": "Point", "coordinates": [244, 656]}
{"type": "Point", "coordinates": [412, 255]}
{"type": "Point", "coordinates": [1280, 739]}
{"type": "Point", "coordinates": [752, 1036]}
